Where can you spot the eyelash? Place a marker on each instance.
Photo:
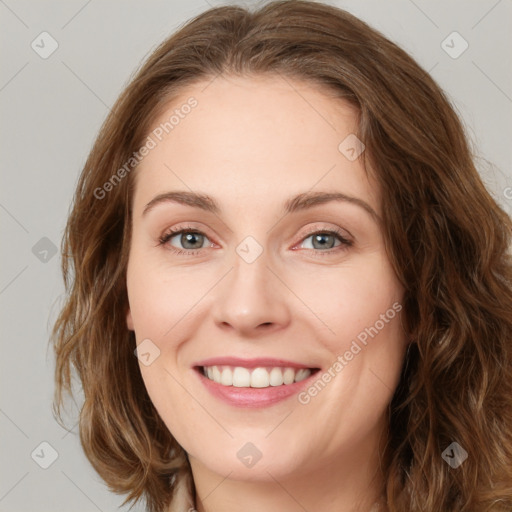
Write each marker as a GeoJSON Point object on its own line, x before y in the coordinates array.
{"type": "Point", "coordinates": [171, 233]}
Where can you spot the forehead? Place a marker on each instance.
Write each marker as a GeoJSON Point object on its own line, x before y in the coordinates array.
{"type": "Point", "coordinates": [252, 139]}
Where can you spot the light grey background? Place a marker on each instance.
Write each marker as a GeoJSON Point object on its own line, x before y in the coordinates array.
{"type": "Point", "coordinates": [51, 110]}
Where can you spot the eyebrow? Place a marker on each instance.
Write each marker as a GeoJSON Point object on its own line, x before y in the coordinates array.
{"type": "Point", "coordinates": [297, 203]}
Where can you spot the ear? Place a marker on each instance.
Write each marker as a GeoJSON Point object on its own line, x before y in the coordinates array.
{"type": "Point", "coordinates": [129, 320]}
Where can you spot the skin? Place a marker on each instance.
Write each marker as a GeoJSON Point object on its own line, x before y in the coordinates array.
{"type": "Point", "coordinates": [251, 144]}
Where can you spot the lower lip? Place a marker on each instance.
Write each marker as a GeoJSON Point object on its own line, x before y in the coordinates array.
{"type": "Point", "coordinates": [253, 397]}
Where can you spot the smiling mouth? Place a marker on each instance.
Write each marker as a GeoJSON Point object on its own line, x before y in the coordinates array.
{"type": "Point", "coordinates": [260, 377]}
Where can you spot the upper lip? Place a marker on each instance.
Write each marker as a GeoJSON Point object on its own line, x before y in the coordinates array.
{"type": "Point", "coordinates": [256, 362]}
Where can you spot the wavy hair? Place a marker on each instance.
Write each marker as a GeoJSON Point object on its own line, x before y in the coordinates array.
{"type": "Point", "coordinates": [446, 237]}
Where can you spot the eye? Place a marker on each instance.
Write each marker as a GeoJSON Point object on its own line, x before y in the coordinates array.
{"type": "Point", "coordinates": [191, 239]}
{"type": "Point", "coordinates": [325, 241]}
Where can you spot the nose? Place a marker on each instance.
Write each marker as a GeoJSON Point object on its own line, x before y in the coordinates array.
{"type": "Point", "coordinates": [252, 299]}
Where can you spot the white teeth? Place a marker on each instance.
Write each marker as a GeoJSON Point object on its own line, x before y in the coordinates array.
{"type": "Point", "coordinates": [226, 378]}
{"type": "Point", "coordinates": [260, 378]}
{"type": "Point", "coordinates": [289, 376]}
{"type": "Point", "coordinates": [241, 377]}
{"type": "Point", "coordinates": [302, 374]}
{"type": "Point", "coordinates": [276, 377]}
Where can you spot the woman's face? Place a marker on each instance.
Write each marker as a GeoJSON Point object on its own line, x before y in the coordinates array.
{"type": "Point", "coordinates": [272, 275]}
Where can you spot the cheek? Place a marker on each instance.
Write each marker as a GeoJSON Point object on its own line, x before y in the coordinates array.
{"type": "Point", "coordinates": [161, 297]}
{"type": "Point", "coordinates": [159, 302]}
{"type": "Point", "coordinates": [350, 300]}
{"type": "Point", "coordinates": [361, 306]}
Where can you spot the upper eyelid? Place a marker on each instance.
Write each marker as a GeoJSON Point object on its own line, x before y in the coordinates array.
{"type": "Point", "coordinates": [180, 228]}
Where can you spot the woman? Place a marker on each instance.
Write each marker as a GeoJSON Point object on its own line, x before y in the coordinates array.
{"type": "Point", "coordinates": [338, 334]}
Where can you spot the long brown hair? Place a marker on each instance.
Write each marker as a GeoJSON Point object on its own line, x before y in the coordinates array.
{"type": "Point", "coordinates": [446, 237]}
